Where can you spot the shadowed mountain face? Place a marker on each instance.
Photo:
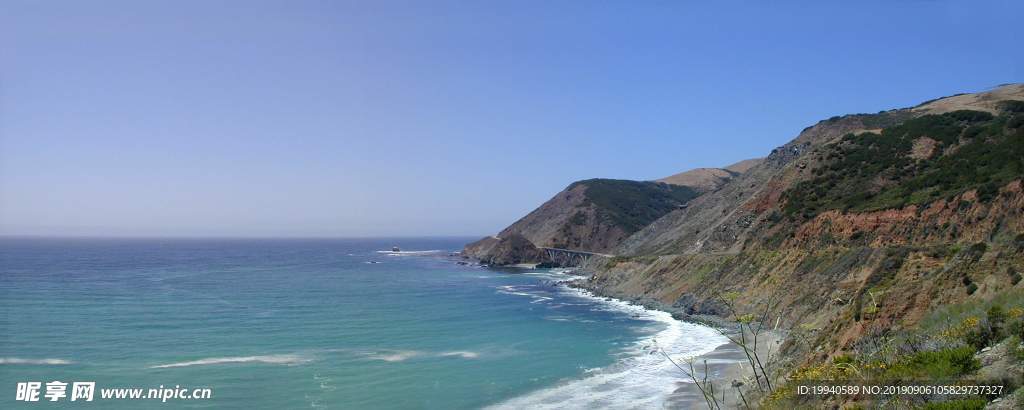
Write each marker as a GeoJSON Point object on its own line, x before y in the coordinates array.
{"type": "Point", "coordinates": [596, 214]}
{"type": "Point", "coordinates": [591, 215]}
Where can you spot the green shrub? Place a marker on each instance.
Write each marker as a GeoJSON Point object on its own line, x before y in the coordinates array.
{"type": "Point", "coordinates": [988, 156]}
{"type": "Point", "coordinates": [979, 337]}
{"type": "Point", "coordinates": [970, 115]}
{"type": "Point", "coordinates": [578, 218]}
{"type": "Point", "coordinates": [976, 251]}
{"type": "Point", "coordinates": [843, 359]}
{"type": "Point", "coordinates": [1016, 347]}
{"type": "Point", "coordinates": [1012, 106]}
{"type": "Point", "coordinates": [939, 320]}
{"type": "Point", "coordinates": [973, 131]}
{"type": "Point", "coordinates": [996, 317]}
{"type": "Point", "coordinates": [1016, 329]}
{"type": "Point", "coordinates": [631, 205]}
{"type": "Point", "coordinates": [1016, 121]}
{"type": "Point", "coordinates": [935, 365]}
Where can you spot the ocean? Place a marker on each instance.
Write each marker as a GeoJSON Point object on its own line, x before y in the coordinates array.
{"type": "Point", "coordinates": [320, 323]}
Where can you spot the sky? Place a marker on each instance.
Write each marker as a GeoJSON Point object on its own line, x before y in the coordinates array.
{"type": "Point", "coordinates": [380, 118]}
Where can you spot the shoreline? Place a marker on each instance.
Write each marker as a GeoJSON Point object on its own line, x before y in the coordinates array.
{"type": "Point", "coordinates": [639, 376]}
{"type": "Point", "coordinates": [726, 363]}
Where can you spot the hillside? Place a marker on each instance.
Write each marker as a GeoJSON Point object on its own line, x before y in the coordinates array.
{"type": "Point", "coordinates": [592, 215]}
{"type": "Point", "coordinates": [722, 221]}
{"type": "Point", "coordinates": [858, 231]}
{"type": "Point", "coordinates": [743, 166]}
{"type": "Point", "coordinates": [945, 180]}
{"type": "Point", "coordinates": [596, 215]}
{"type": "Point", "coordinates": [704, 179]}
{"type": "Point", "coordinates": [864, 230]}
{"type": "Point", "coordinates": [509, 250]}
{"type": "Point", "coordinates": [709, 179]}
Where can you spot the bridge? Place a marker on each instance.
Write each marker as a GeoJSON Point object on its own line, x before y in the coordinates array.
{"type": "Point", "coordinates": [568, 257]}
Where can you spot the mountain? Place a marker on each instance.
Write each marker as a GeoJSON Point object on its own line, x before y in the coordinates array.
{"type": "Point", "coordinates": [592, 215]}
{"type": "Point", "coordinates": [724, 220]}
{"type": "Point", "coordinates": [596, 215]}
{"type": "Point", "coordinates": [863, 231]}
{"type": "Point", "coordinates": [743, 166]}
{"type": "Point", "coordinates": [704, 179]}
{"type": "Point", "coordinates": [710, 179]}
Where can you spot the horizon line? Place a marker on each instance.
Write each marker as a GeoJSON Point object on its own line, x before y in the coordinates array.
{"type": "Point", "coordinates": [229, 237]}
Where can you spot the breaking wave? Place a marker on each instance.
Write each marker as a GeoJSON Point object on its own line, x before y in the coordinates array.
{"type": "Point", "coordinates": [43, 362]}
{"type": "Point", "coordinates": [403, 355]}
{"type": "Point", "coordinates": [640, 379]}
{"type": "Point", "coordinates": [283, 359]}
{"type": "Point", "coordinates": [461, 353]}
{"type": "Point", "coordinates": [404, 253]}
{"type": "Point", "coordinates": [395, 356]}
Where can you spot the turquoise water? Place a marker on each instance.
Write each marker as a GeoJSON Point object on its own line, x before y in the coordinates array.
{"type": "Point", "coordinates": [320, 324]}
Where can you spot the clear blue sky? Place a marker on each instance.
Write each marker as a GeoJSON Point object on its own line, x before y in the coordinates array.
{"type": "Point", "coordinates": [370, 118]}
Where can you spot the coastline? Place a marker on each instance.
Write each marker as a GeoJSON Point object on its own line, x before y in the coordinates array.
{"type": "Point", "coordinates": [727, 366]}
{"type": "Point", "coordinates": [726, 363]}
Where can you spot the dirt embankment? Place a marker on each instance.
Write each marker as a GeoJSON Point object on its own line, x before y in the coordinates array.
{"type": "Point", "coordinates": [962, 219]}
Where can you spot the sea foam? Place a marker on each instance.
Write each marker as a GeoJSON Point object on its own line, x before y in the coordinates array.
{"type": "Point", "coordinates": [461, 353]}
{"type": "Point", "coordinates": [284, 359]}
{"type": "Point", "coordinates": [42, 362]}
{"type": "Point", "coordinates": [403, 355]}
{"type": "Point", "coordinates": [395, 356]}
{"type": "Point", "coordinates": [642, 379]}
{"type": "Point", "coordinates": [402, 253]}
